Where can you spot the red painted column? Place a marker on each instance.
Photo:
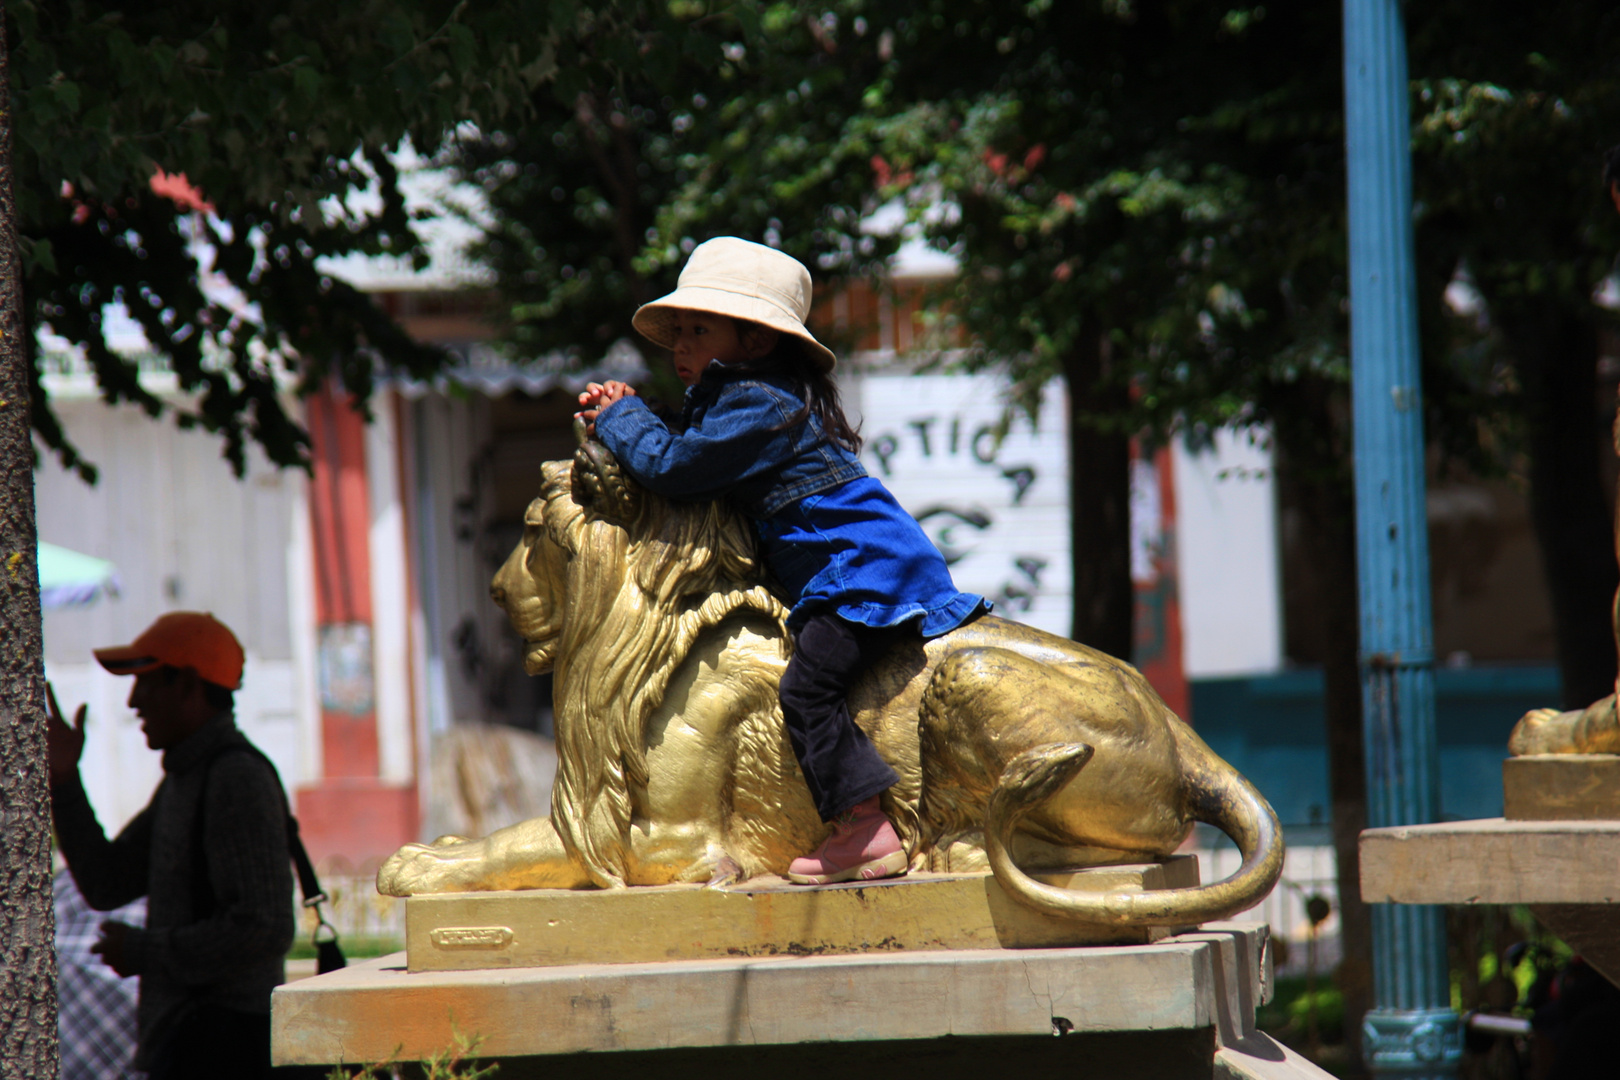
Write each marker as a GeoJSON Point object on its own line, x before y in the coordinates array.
{"type": "Point", "coordinates": [1158, 654]}
{"type": "Point", "coordinates": [350, 812]}
{"type": "Point", "coordinates": [339, 513]}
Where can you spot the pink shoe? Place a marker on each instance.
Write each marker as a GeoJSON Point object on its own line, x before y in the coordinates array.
{"type": "Point", "coordinates": [863, 846]}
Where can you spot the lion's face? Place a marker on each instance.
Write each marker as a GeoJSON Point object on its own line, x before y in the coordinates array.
{"type": "Point", "coordinates": [530, 586]}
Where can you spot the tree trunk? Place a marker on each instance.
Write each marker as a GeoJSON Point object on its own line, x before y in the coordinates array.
{"type": "Point", "coordinates": [1566, 438]}
{"type": "Point", "coordinates": [1313, 477]}
{"type": "Point", "coordinates": [1330, 524]}
{"type": "Point", "coordinates": [28, 1048]}
{"type": "Point", "coordinates": [1099, 503]}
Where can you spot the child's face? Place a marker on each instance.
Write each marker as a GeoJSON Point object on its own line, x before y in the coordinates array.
{"type": "Point", "coordinates": [702, 336]}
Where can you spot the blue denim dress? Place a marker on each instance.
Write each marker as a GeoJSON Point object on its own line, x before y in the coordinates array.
{"type": "Point", "coordinates": [834, 537]}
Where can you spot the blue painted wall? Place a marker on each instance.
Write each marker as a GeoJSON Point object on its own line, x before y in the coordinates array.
{"type": "Point", "coordinates": [1271, 728]}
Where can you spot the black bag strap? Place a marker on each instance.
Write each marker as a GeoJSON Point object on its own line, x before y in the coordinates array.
{"type": "Point", "coordinates": [308, 883]}
{"type": "Point", "coordinates": [328, 955]}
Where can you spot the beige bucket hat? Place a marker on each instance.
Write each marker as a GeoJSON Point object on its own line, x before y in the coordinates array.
{"type": "Point", "coordinates": [742, 279]}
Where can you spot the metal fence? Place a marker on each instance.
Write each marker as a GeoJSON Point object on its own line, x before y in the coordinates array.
{"type": "Point", "coordinates": [1308, 870]}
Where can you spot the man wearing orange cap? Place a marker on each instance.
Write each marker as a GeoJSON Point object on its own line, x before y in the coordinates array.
{"type": "Point", "coordinates": [209, 853]}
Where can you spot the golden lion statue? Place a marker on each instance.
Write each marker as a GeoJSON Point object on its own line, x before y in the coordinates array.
{"type": "Point", "coordinates": [1016, 750]}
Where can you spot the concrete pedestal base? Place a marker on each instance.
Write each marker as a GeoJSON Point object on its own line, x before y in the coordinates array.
{"type": "Point", "coordinates": [1564, 869]}
{"type": "Point", "coordinates": [1561, 787]}
{"type": "Point", "coordinates": [1182, 1007]}
{"type": "Point", "coordinates": [1492, 861]}
{"type": "Point", "coordinates": [764, 917]}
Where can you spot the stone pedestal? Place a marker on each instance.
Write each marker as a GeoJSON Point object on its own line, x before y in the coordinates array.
{"type": "Point", "coordinates": [1565, 864]}
{"type": "Point", "coordinates": [1492, 861]}
{"type": "Point", "coordinates": [1182, 1007]}
{"type": "Point", "coordinates": [763, 917]}
{"type": "Point", "coordinates": [1561, 787]}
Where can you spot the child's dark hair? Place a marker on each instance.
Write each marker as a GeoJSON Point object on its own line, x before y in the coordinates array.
{"type": "Point", "coordinates": [789, 360]}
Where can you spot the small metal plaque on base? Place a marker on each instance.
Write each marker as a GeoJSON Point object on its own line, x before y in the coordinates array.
{"type": "Point", "coordinates": [1561, 787]}
{"type": "Point", "coordinates": [762, 917]}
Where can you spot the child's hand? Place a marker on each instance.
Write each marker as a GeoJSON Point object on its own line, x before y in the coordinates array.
{"type": "Point", "coordinates": [598, 396]}
{"type": "Point", "coordinates": [601, 395]}
{"type": "Point", "coordinates": [616, 391]}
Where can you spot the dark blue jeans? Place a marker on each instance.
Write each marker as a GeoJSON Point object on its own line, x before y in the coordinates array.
{"type": "Point", "coordinates": [838, 761]}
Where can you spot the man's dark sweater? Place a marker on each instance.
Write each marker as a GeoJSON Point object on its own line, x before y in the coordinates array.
{"type": "Point", "coordinates": [232, 956]}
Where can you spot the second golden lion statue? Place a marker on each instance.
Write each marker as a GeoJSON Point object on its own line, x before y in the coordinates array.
{"type": "Point", "coordinates": [1016, 749]}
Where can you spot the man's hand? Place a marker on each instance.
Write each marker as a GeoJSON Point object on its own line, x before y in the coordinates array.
{"type": "Point", "coordinates": [63, 744]}
{"type": "Point", "coordinates": [598, 396]}
{"type": "Point", "coordinates": [110, 947]}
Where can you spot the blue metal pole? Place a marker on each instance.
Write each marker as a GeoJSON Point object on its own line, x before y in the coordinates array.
{"type": "Point", "coordinates": [1412, 1031]}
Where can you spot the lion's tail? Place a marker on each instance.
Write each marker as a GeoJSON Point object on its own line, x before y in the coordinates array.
{"type": "Point", "coordinates": [1220, 797]}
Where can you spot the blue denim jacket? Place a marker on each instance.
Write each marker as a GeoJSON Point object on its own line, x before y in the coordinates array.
{"type": "Point", "coordinates": [735, 446]}
{"type": "Point", "coordinates": [836, 539]}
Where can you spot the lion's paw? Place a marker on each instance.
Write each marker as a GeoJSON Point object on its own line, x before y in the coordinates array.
{"type": "Point", "coordinates": [438, 867]}
{"type": "Point", "coordinates": [1592, 730]}
{"type": "Point", "coordinates": [1542, 731]}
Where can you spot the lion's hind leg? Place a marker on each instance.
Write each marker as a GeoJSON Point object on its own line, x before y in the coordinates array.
{"type": "Point", "coordinates": [984, 707]}
{"type": "Point", "coordinates": [956, 778]}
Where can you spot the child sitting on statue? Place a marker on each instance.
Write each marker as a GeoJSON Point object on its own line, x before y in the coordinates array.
{"type": "Point", "coordinates": [763, 427]}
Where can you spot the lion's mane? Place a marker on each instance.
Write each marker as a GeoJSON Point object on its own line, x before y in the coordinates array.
{"type": "Point", "coordinates": [646, 578]}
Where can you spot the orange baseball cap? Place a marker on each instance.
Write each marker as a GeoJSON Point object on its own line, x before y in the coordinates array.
{"type": "Point", "coordinates": [182, 639]}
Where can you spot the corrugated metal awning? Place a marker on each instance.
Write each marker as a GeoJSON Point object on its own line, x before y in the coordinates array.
{"type": "Point", "coordinates": [484, 369]}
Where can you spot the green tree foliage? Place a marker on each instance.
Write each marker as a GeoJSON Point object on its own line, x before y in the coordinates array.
{"type": "Point", "coordinates": [597, 197]}
{"type": "Point", "coordinates": [281, 116]}
{"type": "Point", "coordinates": [1110, 166]}
{"type": "Point", "coordinates": [1513, 110]}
